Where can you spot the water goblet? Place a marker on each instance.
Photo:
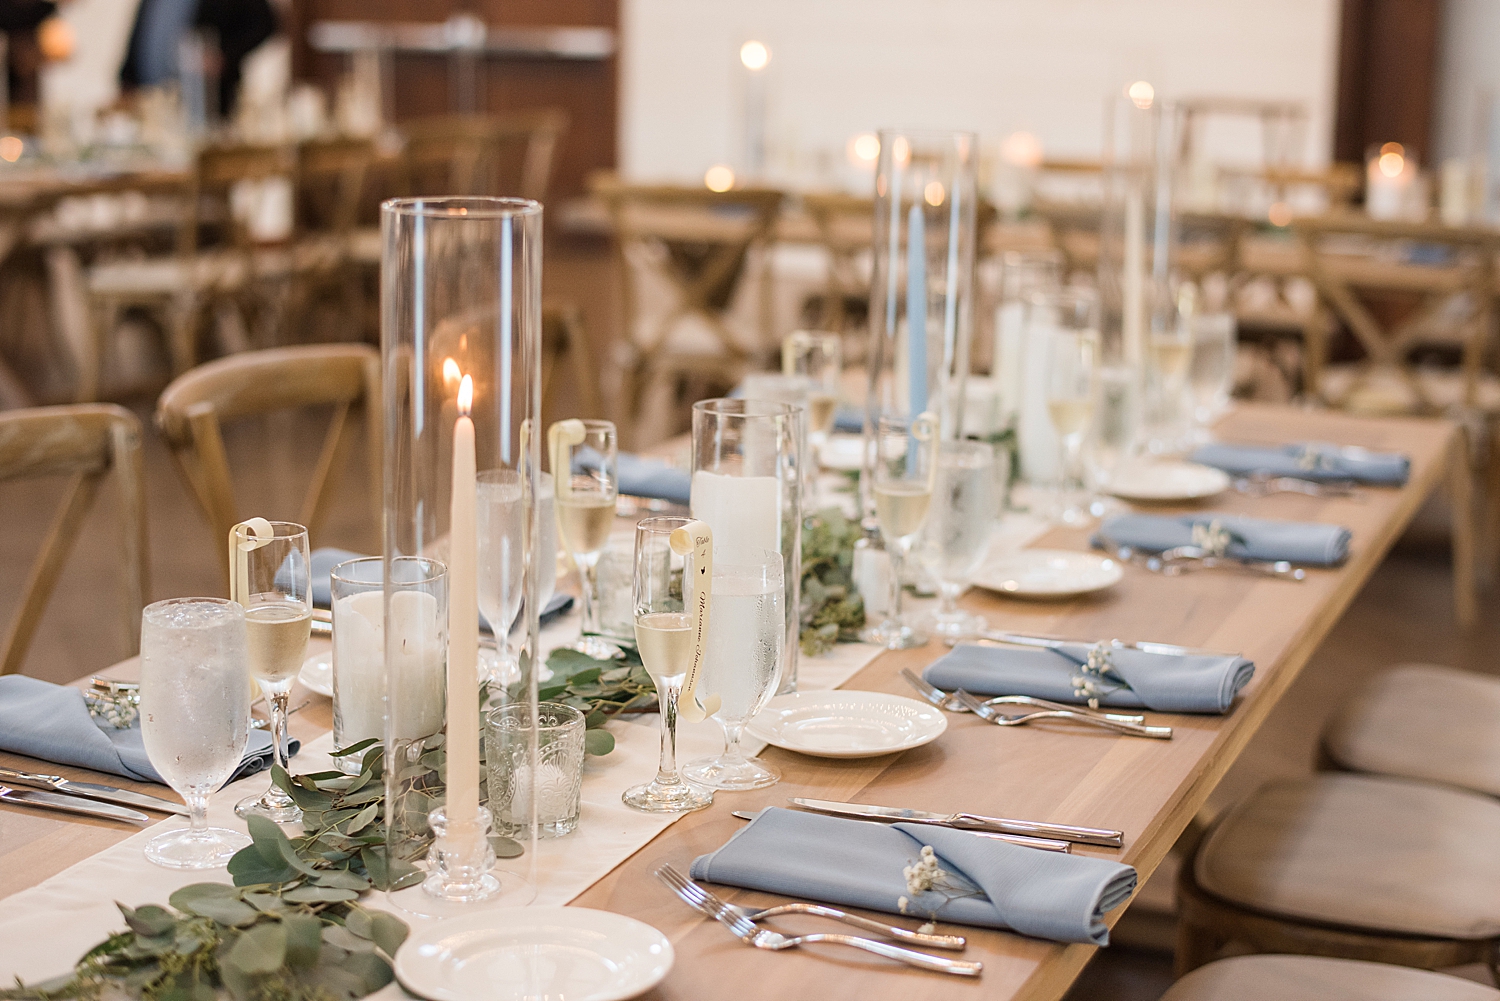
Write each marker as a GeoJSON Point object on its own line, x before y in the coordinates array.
{"type": "Point", "coordinates": [742, 664]}
{"type": "Point", "coordinates": [195, 717]}
{"type": "Point", "coordinates": [1072, 393]}
{"type": "Point", "coordinates": [905, 472]}
{"type": "Point", "coordinates": [958, 529]}
{"type": "Point", "coordinates": [271, 577]}
{"type": "Point", "coordinates": [664, 634]}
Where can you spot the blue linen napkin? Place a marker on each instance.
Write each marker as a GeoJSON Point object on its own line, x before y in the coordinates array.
{"type": "Point", "coordinates": [1311, 460]}
{"type": "Point", "coordinates": [642, 477]}
{"type": "Point", "coordinates": [1197, 683]}
{"type": "Point", "coordinates": [52, 723]}
{"type": "Point", "coordinates": [850, 420]}
{"type": "Point", "coordinates": [1305, 542]}
{"type": "Point", "coordinates": [324, 560]}
{"type": "Point", "coordinates": [859, 864]}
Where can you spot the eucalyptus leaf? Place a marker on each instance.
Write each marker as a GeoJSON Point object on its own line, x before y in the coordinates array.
{"type": "Point", "coordinates": [304, 940]}
{"type": "Point", "coordinates": [359, 922]}
{"type": "Point", "coordinates": [319, 895]}
{"type": "Point", "coordinates": [149, 921]}
{"type": "Point", "coordinates": [363, 819]}
{"type": "Point", "coordinates": [355, 748]}
{"type": "Point", "coordinates": [249, 868]}
{"type": "Point", "coordinates": [269, 836]}
{"type": "Point", "coordinates": [345, 939]}
{"type": "Point", "coordinates": [184, 897]}
{"type": "Point", "coordinates": [341, 879]}
{"type": "Point", "coordinates": [389, 932]}
{"type": "Point", "coordinates": [506, 847]}
{"type": "Point", "coordinates": [598, 742]}
{"type": "Point", "coordinates": [224, 910]}
{"type": "Point", "coordinates": [261, 949]}
{"type": "Point", "coordinates": [412, 878]}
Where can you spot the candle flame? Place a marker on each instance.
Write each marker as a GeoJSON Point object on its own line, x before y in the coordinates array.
{"type": "Point", "coordinates": [451, 372]}
{"type": "Point", "coordinates": [466, 395]}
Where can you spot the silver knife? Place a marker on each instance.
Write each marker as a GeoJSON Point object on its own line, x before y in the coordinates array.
{"type": "Point", "coordinates": [1042, 844]}
{"type": "Point", "coordinates": [968, 822]}
{"type": "Point", "coordinates": [1057, 643]}
{"type": "Point", "coordinates": [70, 804]}
{"type": "Point", "coordinates": [91, 790]}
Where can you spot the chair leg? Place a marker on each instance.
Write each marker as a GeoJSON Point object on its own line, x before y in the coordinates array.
{"type": "Point", "coordinates": [1196, 946]}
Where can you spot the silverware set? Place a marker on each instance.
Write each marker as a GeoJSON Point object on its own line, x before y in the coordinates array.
{"type": "Point", "coordinates": [742, 925]}
{"type": "Point", "coordinates": [1183, 559]}
{"type": "Point", "coordinates": [1263, 484]}
{"type": "Point", "coordinates": [1042, 709]}
{"type": "Point", "coordinates": [53, 792]}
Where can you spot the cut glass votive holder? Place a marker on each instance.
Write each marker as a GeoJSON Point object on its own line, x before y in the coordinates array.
{"type": "Point", "coordinates": [558, 787]}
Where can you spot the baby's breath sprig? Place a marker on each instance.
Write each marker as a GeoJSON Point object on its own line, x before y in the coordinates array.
{"type": "Point", "coordinates": [925, 876]}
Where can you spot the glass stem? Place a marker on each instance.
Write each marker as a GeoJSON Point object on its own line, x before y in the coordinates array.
{"type": "Point", "coordinates": [948, 598]}
{"type": "Point", "coordinates": [732, 750]}
{"type": "Point", "coordinates": [278, 701]}
{"type": "Point", "coordinates": [588, 591]}
{"type": "Point", "coordinates": [197, 804]}
{"type": "Point", "coordinates": [666, 769]}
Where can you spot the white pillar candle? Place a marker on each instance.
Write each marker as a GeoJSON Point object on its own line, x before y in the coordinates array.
{"type": "Point", "coordinates": [744, 512]}
{"type": "Point", "coordinates": [463, 627]}
{"type": "Point", "coordinates": [416, 677]}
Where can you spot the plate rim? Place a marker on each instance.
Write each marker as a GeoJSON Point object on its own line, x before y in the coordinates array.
{"type": "Point", "coordinates": [1220, 477]}
{"type": "Point", "coordinates": [1118, 575]}
{"type": "Point", "coordinates": [522, 913]}
{"type": "Point", "coordinates": [303, 681]}
{"type": "Point", "coordinates": [941, 728]}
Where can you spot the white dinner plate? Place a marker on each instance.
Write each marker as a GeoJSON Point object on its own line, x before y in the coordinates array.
{"type": "Point", "coordinates": [1048, 573]}
{"type": "Point", "coordinates": [843, 724]}
{"type": "Point", "coordinates": [534, 953]}
{"type": "Point", "coordinates": [317, 673]}
{"type": "Point", "coordinates": [843, 452]}
{"type": "Point", "coordinates": [1167, 481]}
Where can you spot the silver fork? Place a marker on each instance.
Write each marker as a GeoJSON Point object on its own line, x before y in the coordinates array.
{"type": "Point", "coordinates": [1261, 484]}
{"type": "Point", "coordinates": [950, 703]}
{"type": "Point", "coordinates": [761, 938]}
{"type": "Point", "coordinates": [955, 942]}
{"type": "Point", "coordinates": [995, 716]}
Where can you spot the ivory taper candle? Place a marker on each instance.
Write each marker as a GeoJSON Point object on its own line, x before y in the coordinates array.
{"type": "Point", "coordinates": [463, 626]}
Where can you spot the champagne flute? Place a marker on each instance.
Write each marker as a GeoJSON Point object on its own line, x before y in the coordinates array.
{"type": "Point", "coordinates": [958, 529]}
{"type": "Point", "coordinates": [1212, 372]}
{"type": "Point", "coordinates": [195, 717]}
{"type": "Point", "coordinates": [664, 634]}
{"type": "Point", "coordinates": [905, 466]}
{"type": "Point", "coordinates": [817, 355]}
{"type": "Point", "coordinates": [500, 518]}
{"type": "Point", "coordinates": [742, 664]}
{"type": "Point", "coordinates": [586, 485]}
{"type": "Point", "coordinates": [271, 579]}
{"type": "Point", "coordinates": [1072, 391]}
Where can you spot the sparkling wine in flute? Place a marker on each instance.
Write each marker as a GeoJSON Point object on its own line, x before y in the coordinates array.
{"type": "Point", "coordinates": [584, 521]}
{"type": "Point", "coordinates": [1070, 415]}
{"type": "Point", "coordinates": [820, 410]}
{"type": "Point", "coordinates": [276, 632]}
{"type": "Point", "coordinates": [665, 640]}
{"type": "Point", "coordinates": [1172, 357]}
{"type": "Point", "coordinates": [901, 507]}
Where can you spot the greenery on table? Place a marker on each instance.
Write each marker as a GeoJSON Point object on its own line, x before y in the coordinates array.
{"type": "Point", "coordinates": [290, 929]}
{"type": "Point", "coordinates": [832, 609]}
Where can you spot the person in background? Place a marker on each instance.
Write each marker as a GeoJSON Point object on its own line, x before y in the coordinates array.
{"type": "Point", "coordinates": [151, 55]}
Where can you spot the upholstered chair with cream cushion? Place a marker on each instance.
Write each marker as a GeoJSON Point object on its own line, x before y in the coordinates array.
{"type": "Point", "coordinates": [1314, 978]}
{"type": "Point", "coordinates": [1349, 866]}
{"type": "Point", "coordinates": [1422, 721]}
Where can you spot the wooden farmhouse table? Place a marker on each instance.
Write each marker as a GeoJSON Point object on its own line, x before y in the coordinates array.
{"type": "Point", "coordinates": [1150, 789]}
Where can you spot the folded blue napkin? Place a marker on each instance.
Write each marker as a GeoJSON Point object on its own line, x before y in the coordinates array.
{"type": "Point", "coordinates": [1198, 683]}
{"type": "Point", "coordinates": [641, 477]}
{"type": "Point", "coordinates": [324, 560]}
{"type": "Point", "coordinates": [52, 723]}
{"type": "Point", "coordinates": [850, 420]}
{"type": "Point", "coordinates": [1312, 460]}
{"type": "Point", "coordinates": [859, 864]}
{"type": "Point", "coordinates": [1305, 542]}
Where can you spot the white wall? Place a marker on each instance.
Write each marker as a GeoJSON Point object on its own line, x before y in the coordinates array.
{"type": "Point", "coordinates": [1468, 61]}
{"type": "Point", "coordinates": [92, 77]}
{"type": "Point", "coordinates": [841, 67]}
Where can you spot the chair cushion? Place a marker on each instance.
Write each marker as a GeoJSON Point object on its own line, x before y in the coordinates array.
{"type": "Point", "coordinates": [1378, 854]}
{"type": "Point", "coordinates": [1422, 721]}
{"type": "Point", "coordinates": [1313, 978]}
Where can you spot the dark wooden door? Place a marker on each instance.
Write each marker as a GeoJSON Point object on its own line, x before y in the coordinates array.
{"type": "Point", "coordinates": [1387, 74]}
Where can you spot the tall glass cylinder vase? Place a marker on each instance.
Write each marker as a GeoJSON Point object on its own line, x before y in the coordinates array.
{"type": "Point", "coordinates": [922, 285]}
{"type": "Point", "coordinates": [747, 486]}
{"type": "Point", "coordinates": [461, 357]}
{"type": "Point", "coordinates": [1139, 330]}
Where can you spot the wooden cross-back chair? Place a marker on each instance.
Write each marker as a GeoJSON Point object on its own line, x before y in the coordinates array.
{"type": "Point", "coordinates": [1462, 273]}
{"type": "Point", "coordinates": [509, 154]}
{"type": "Point", "coordinates": [331, 176]}
{"type": "Point", "coordinates": [846, 228]}
{"type": "Point", "coordinates": [694, 245]}
{"type": "Point", "coordinates": [177, 288]}
{"type": "Point", "coordinates": [192, 409]}
{"type": "Point", "coordinates": [564, 343]}
{"type": "Point", "coordinates": [85, 442]}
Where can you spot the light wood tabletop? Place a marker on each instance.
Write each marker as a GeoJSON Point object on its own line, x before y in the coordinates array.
{"type": "Point", "coordinates": [1150, 789]}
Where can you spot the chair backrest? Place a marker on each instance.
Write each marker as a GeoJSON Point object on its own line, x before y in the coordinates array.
{"type": "Point", "coordinates": [191, 410]}
{"type": "Point", "coordinates": [564, 343]}
{"type": "Point", "coordinates": [704, 238]}
{"type": "Point", "coordinates": [846, 229]}
{"type": "Point", "coordinates": [220, 169]}
{"type": "Point", "coordinates": [330, 181]}
{"type": "Point", "coordinates": [508, 154]}
{"type": "Point", "coordinates": [86, 442]}
{"type": "Point", "coordinates": [1346, 254]}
